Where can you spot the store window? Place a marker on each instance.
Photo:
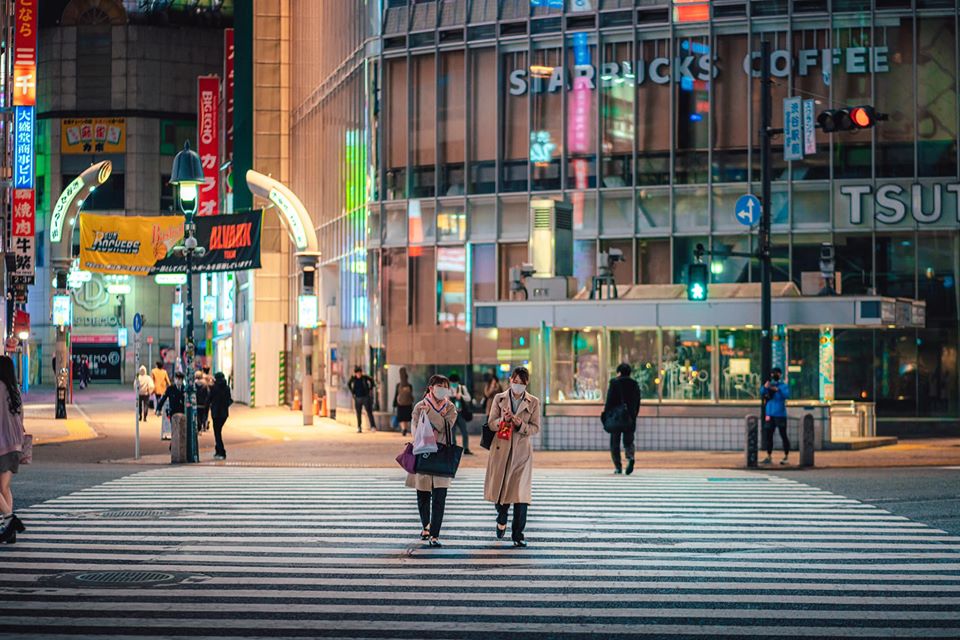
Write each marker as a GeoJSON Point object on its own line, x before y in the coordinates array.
{"type": "Point", "coordinates": [580, 129]}
{"type": "Point", "coordinates": [937, 392]}
{"type": "Point", "coordinates": [653, 100]}
{"type": "Point", "coordinates": [853, 364]}
{"type": "Point", "coordinates": [936, 97]}
{"type": "Point", "coordinates": [692, 110]}
{"type": "Point", "coordinates": [396, 124]}
{"type": "Point", "coordinates": [515, 133]}
{"type": "Point", "coordinates": [395, 302]}
{"type": "Point", "coordinates": [452, 288]}
{"type": "Point", "coordinates": [896, 372]}
{"type": "Point", "coordinates": [617, 84]}
{"type": "Point", "coordinates": [639, 350]}
{"type": "Point", "coordinates": [576, 373]}
{"type": "Point", "coordinates": [739, 364]}
{"type": "Point", "coordinates": [653, 261]}
{"type": "Point", "coordinates": [731, 126]}
{"type": "Point", "coordinates": [482, 85]}
{"type": "Point", "coordinates": [423, 122]}
{"type": "Point", "coordinates": [514, 218]}
{"type": "Point", "coordinates": [725, 267]}
{"type": "Point", "coordinates": [483, 272]}
{"type": "Point", "coordinates": [423, 279]}
{"type": "Point", "coordinates": [691, 209]}
{"type": "Point", "coordinates": [895, 260]}
{"type": "Point", "coordinates": [938, 266]}
{"type": "Point", "coordinates": [894, 90]}
{"type": "Point", "coordinates": [653, 211]}
{"type": "Point", "coordinates": [547, 86]}
{"type": "Point", "coordinates": [686, 370]}
{"type": "Point", "coordinates": [451, 222]}
{"type": "Point", "coordinates": [617, 213]}
{"type": "Point", "coordinates": [451, 124]}
{"type": "Point", "coordinates": [803, 363]}
{"type": "Point", "coordinates": [421, 227]}
{"type": "Point", "coordinates": [854, 261]}
{"type": "Point", "coordinates": [482, 219]}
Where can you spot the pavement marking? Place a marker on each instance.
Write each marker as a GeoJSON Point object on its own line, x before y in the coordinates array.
{"type": "Point", "coordinates": [284, 552]}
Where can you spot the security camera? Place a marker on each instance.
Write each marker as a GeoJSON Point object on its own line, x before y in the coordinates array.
{"type": "Point", "coordinates": [615, 255]}
{"type": "Point", "coordinates": [526, 269]}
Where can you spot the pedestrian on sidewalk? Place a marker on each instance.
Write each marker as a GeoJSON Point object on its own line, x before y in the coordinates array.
{"type": "Point", "coordinates": [461, 399]}
{"type": "Point", "coordinates": [160, 383]}
{"type": "Point", "coordinates": [173, 397]}
{"type": "Point", "coordinates": [203, 400]}
{"type": "Point", "coordinates": [403, 402]}
{"type": "Point", "coordinates": [515, 416]}
{"type": "Point", "coordinates": [84, 373]}
{"type": "Point", "coordinates": [220, 401]}
{"type": "Point", "coordinates": [361, 386]}
{"type": "Point", "coordinates": [491, 387]}
{"type": "Point", "coordinates": [11, 447]}
{"type": "Point", "coordinates": [144, 387]}
{"type": "Point", "coordinates": [775, 394]}
{"type": "Point", "coordinates": [432, 490]}
{"type": "Point", "coordinates": [619, 416]}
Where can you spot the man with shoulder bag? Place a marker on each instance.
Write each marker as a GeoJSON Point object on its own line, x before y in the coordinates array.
{"type": "Point", "coordinates": [619, 416]}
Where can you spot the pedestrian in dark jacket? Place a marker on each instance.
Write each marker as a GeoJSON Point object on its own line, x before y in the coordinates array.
{"type": "Point", "coordinates": [361, 386]}
{"type": "Point", "coordinates": [620, 416]}
{"type": "Point", "coordinates": [220, 401]}
{"type": "Point", "coordinates": [775, 393]}
{"type": "Point", "coordinates": [174, 396]}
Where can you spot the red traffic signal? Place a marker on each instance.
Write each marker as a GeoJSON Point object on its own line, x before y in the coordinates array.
{"type": "Point", "coordinates": [848, 119]}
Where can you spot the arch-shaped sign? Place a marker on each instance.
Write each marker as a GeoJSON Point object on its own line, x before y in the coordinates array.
{"type": "Point", "coordinates": [292, 212]}
{"type": "Point", "coordinates": [94, 176]}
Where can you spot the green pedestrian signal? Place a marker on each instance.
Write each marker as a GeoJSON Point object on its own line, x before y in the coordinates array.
{"type": "Point", "coordinates": [698, 278]}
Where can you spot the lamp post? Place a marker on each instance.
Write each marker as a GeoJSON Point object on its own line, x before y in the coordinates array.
{"type": "Point", "coordinates": [186, 176]}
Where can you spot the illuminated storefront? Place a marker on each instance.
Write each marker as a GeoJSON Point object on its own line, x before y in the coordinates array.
{"type": "Point", "coordinates": [641, 115]}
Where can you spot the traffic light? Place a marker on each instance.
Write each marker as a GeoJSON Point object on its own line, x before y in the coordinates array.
{"type": "Point", "coordinates": [698, 278]}
{"type": "Point", "coordinates": [849, 119]}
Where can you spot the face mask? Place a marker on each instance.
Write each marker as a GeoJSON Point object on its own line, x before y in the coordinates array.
{"type": "Point", "coordinates": [441, 393]}
{"type": "Point", "coordinates": [454, 385]}
{"type": "Point", "coordinates": [517, 388]}
{"type": "Point", "coordinates": [776, 377]}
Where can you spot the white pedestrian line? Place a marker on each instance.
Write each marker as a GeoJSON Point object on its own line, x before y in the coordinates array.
{"type": "Point", "coordinates": [263, 552]}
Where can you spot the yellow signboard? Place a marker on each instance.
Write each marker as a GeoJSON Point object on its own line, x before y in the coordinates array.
{"type": "Point", "coordinates": [93, 135]}
{"type": "Point", "coordinates": [128, 245]}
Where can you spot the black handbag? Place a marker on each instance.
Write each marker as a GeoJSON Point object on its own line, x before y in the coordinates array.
{"type": "Point", "coordinates": [617, 419]}
{"type": "Point", "coordinates": [486, 435]}
{"type": "Point", "coordinates": [442, 463]}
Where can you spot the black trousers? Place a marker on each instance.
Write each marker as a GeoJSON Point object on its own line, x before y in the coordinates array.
{"type": "Point", "coordinates": [366, 402]}
{"type": "Point", "coordinates": [143, 405]}
{"type": "Point", "coordinates": [218, 423]}
{"type": "Point", "coordinates": [202, 413]}
{"type": "Point", "coordinates": [779, 424]}
{"type": "Point", "coordinates": [432, 515]}
{"type": "Point", "coordinates": [628, 446]}
{"type": "Point", "coordinates": [461, 425]}
{"type": "Point", "coordinates": [519, 518]}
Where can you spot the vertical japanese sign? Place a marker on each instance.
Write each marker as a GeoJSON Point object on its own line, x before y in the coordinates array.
{"type": "Point", "coordinates": [809, 128]}
{"type": "Point", "coordinates": [228, 53]}
{"type": "Point", "coordinates": [792, 129]}
{"type": "Point", "coordinates": [23, 228]}
{"type": "Point", "coordinates": [25, 54]}
{"type": "Point", "coordinates": [208, 133]}
{"type": "Point", "coordinates": [23, 147]}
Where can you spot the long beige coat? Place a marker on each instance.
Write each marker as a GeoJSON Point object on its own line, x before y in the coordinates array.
{"type": "Point", "coordinates": [442, 424]}
{"type": "Point", "coordinates": [510, 463]}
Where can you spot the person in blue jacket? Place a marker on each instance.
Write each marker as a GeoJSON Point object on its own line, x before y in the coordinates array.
{"type": "Point", "coordinates": [775, 392]}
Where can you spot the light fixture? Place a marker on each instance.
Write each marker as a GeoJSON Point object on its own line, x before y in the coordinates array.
{"type": "Point", "coordinates": [23, 335]}
{"type": "Point", "coordinates": [186, 176]}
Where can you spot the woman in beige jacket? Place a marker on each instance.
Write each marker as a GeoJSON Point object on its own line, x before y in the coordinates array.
{"type": "Point", "coordinates": [510, 463]}
{"type": "Point", "coordinates": [441, 415]}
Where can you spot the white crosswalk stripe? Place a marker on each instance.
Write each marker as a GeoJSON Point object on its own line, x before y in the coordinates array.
{"type": "Point", "coordinates": [198, 552]}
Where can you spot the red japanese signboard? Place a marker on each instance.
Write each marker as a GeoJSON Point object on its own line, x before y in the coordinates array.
{"type": "Point", "coordinates": [25, 54]}
{"type": "Point", "coordinates": [208, 133]}
{"type": "Point", "coordinates": [23, 241]}
{"type": "Point", "coordinates": [228, 53]}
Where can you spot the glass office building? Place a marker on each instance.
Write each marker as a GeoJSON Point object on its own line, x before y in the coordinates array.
{"type": "Point", "coordinates": [421, 134]}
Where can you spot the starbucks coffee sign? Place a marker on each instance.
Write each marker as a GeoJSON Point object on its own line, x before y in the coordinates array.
{"type": "Point", "coordinates": [699, 66]}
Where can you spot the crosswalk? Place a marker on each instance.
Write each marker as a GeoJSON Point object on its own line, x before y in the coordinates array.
{"type": "Point", "coordinates": [204, 552]}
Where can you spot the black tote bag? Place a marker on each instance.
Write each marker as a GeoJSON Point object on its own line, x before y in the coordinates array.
{"type": "Point", "coordinates": [443, 463]}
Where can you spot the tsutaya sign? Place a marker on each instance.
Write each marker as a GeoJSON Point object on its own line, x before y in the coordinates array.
{"type": "Point", "coordinates": [698, 66]}
{"type": "Point", "coordinates": [893, 203]}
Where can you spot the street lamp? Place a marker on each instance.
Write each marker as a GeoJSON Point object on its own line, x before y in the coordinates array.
{"type": "Point", "coordinates": [186, 176]}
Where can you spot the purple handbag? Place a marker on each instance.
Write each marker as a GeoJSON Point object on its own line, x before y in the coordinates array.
{"type": "Point", "coordinates": [407, 460]}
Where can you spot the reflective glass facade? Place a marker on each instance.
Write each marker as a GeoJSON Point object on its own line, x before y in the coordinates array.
{"type": "Point", "coordinates": [454, 113]}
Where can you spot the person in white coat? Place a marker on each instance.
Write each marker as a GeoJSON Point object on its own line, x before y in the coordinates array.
{"type": "Point", "coordinates": [143, 385]}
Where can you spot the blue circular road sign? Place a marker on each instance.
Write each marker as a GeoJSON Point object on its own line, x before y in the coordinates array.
{"type": "Point", "coordinates": [747, 210]}
{"type": "Point", "coordinates": [137, 323]}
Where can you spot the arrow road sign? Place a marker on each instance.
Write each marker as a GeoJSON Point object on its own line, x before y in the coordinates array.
{"type": "Point", "coordinates": [137, 323]}
{"type": "Point", "coordinates": [747, 210]}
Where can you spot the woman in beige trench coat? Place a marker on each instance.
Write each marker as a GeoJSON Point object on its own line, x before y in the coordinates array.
{"type": "Point", "coordinates": [441, 415]}
{"type": "Point", "coordinates": [510, 463]}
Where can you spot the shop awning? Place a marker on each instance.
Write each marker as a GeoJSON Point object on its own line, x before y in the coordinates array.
{"type": "Point", "coordinates": [730, 305]}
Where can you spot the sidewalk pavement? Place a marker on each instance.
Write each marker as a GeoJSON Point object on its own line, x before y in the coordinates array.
{"type": "Point", "coordinates": [38, 421]}
{"type": "Point", "coordinates": [277, 437]}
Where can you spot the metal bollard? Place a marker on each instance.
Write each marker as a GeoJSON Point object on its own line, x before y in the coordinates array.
{"type": "Point", "coordinates": [752, 423]}
{"type": "Point", "coordinates": [806, 441]}
{"type": "Point", "coordinates": [178, 438]}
